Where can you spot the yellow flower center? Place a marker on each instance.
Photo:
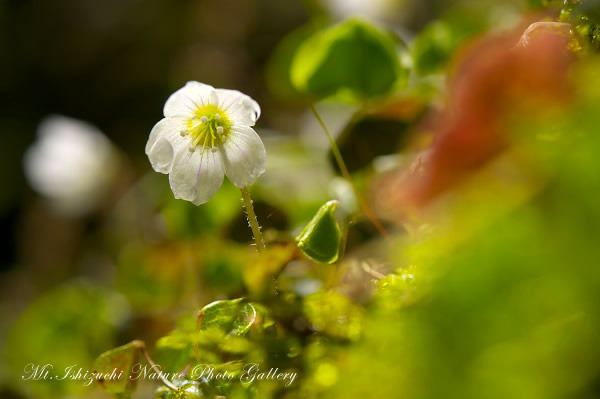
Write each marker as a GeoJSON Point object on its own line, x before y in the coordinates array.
{"type": "Point", "coordinates": [208, 128]}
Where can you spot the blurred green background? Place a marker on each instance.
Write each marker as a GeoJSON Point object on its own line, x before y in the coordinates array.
{"type": "Point", "coordinates": [490, 293]}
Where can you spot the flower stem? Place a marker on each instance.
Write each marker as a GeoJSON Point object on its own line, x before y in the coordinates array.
{"type": "Point", "coordinates": [258, 238]}
{"type": "Point", "coordinates": [342, 165]}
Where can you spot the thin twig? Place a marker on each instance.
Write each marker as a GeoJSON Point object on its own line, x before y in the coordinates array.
{"type": "Point", "coordinates": [157, 370]}
{"type": "Point", "coordinates": [344, 238]}
{"type": "Point", "coordinates": [374, 273]}
{"type": "Point", "coordinates": [342, 165]}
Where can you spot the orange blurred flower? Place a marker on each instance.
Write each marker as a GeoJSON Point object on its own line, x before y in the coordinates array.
{"type": "Point", "coordinates": [514, 73]}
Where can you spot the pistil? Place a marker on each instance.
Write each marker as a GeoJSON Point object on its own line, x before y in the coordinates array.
{"type": "Point", "coordinates": [208, 127]}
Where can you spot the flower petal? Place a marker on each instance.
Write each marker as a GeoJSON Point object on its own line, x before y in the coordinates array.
{"type": "Point", "coordinates": [185, 101]}
{"type": "Point", "coordinates": [240, 108]}
{"type": "Point", "coordinates": [163, 143]}
{"type": "Point", "coordinates": [196, 176]}
{"type": "Point", "coordinates": [244, 156]}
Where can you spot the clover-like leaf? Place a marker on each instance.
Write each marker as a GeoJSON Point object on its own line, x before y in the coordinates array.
{"type": "Point", "coordinates": [222, 326]}
{"type": "Point", "coordinates": [320, 239]}
{"type": "Point", "coordinates": [118, 362]}
{"type": "Point", "coordinates": [354, 60]}
{"type": "Point", "coordinates": [234, 317]}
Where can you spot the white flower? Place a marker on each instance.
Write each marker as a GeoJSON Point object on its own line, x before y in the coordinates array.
{"type": "Point", "coordinates": [72, 163]}
{"type": "Point", "coordinates": [205, 134]}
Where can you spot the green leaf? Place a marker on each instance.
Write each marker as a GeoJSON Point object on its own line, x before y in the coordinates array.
{"type": "Point", "coordinates": [244, 320]}
{"type": "Point", "coordinates": [222, 326]}
{"type": "Point", "coordinates": [221, 329]}
{"type": "Point", "coordinates": [191, 390]}
{"type": "Point", "coordinates": [187, 389]}
{"type": "Point", "coordinates": [234, 317]}
{"type": "Point", "coordinates": [435, 45]}
{"type": "Point", "coordinates": [320, 239]}
{"type": "Point", "coordinates": [115, 361]}
{"type": "Point", "coordinates": [353, 60]}
{"type": "Point", "coordinates": [279, 66]}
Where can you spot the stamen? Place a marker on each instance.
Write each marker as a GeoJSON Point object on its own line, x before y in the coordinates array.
{"type": "Point", "coordinates": [197, 141]}
{"type": "Point", "coordinates": [214, 149]}
{"type": "Point", "coordinates": [207, 129]}
{"type": "Point", "coordinates": [204, 144]}
{"type": "Point", "coordinates": [192, 148]}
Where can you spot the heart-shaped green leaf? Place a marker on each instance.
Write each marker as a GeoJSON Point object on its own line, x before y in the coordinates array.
{"type": "Point", "coordinates": [352, 60]}
{"type": "Point", "coordinates": [113, 368]}
{"type": "Point", "coordinates": [320, 239]}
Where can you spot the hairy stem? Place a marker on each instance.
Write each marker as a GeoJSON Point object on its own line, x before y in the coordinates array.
{"type": "Point", "coordinates": [342, 165]}
{"type": "Point", "coordinates": [258, 238]}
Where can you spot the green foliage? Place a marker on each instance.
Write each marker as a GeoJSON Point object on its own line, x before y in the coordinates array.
{"type": "Point", "coordinates": [585, 18]}
{"type": "Point", "coordinates": [280, 64]}
{"type": "Point", "coordinates": [122, 360]}
{"type": "Point", "coordinates": [436, 44]}
{"type": "Point", "coordinates": [258, 272]}
{"type": "Point", "coordinates": [320, 239]}
{"type": "Point", "coordinates": [222, 326]}
{"type": "Point", "coordinates": [67, 326]}
{"type": "Point", "coordinates": [353, 60]}
{"type": "Point", "coordinates": [508, 307]}
{"type": "Point", "coordinates": [186, 389]}
{"type": "Point", "coordinates": [174, 351]}
{"type": "Point", "coordinates": [142, 275]}
{"type": "Point", "coordinates": [397, 291]}
{"type": "Point", "coordinates": [190, 391]}
{"type": "Point", "coordinates": [232, 317]}
{"type": "Point", "coordinates": [223, 273]}
{"type": "Point", "coordinates": [333, 314]}
{"type": "Point", "coordinates": [187, 220]}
